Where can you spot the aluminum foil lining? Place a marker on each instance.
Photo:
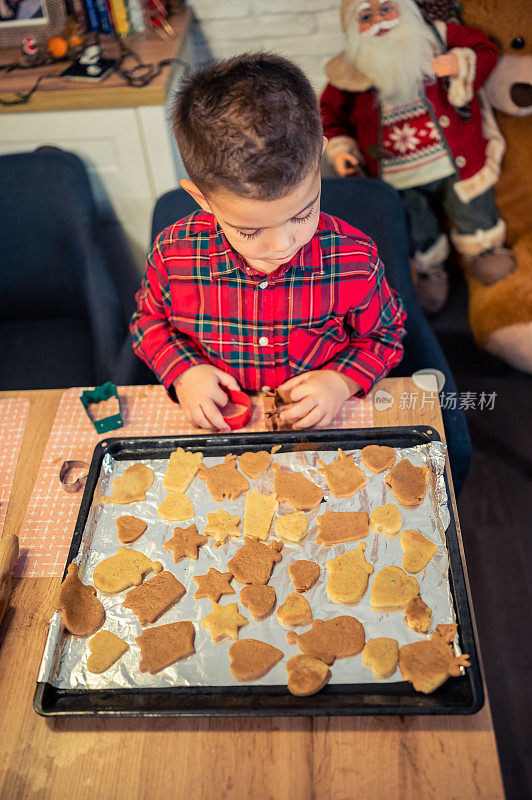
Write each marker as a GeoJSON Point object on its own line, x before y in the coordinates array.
{"type": "Point", "coordinates": [65, 660]}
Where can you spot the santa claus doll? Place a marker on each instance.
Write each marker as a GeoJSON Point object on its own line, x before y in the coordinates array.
{"type": "Point", "coordinates": [402, 103]}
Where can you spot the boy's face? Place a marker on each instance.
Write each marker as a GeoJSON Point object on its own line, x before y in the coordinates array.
{"type": "Point", "coordinates": [266, 233]}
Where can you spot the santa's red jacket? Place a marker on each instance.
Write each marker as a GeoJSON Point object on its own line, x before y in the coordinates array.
{"type": "Point", "coordinates": [475, 143]}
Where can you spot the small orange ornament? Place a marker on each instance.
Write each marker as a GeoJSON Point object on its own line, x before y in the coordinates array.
{"type": "Point", "coordinates": [75, 40]}
{"type": "Point", "coordinates": [57, 46]}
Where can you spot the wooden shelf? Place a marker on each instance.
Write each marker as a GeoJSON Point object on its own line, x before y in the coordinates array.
{"type": "Point", "coordinates": [58, 94]}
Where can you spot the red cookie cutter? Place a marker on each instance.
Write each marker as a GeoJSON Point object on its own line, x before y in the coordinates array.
{"type": "Point", "coordinates": [240, 418]}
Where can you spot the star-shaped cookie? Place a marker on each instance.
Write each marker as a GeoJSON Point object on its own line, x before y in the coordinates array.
{"type": "Point", "coordinates": [224, 621]}
{"type": "Point", "coordinates": [221, 525]}
{"type": "Point", "coordinates": [185, 543]}
{"type": "Point", "coordinates": [213, 585]}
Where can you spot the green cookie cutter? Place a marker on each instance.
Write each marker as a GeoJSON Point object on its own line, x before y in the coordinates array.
{"type": "Point", "coordinates": [97, 395]}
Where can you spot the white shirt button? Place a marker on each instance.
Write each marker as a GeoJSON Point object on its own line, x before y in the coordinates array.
{"type": "Point", "coordinates": [263, 284]}
{"type": "Point", "coordinates": [460, 161]}
{"type": "Point", "coordinates": [444, 121]}
{"type": "Point", "coordinates": [263, 341]}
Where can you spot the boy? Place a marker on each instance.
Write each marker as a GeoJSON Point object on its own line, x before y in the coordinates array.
{"type": "Point", "coordinates": [258, 289]}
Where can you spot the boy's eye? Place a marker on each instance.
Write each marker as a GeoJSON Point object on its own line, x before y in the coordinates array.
{"type": "Point", "coordinates": [249, 235]}
{"type": "Point", "coordinates": [303, 219]}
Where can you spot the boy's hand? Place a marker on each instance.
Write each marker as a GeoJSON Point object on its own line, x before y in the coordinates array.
{"type": "Point", "coordinates": [200, 394]}
{"type": "Point", "coordinates": [345, 164]}
{"type": "Point", "coordinates": [316, 397]}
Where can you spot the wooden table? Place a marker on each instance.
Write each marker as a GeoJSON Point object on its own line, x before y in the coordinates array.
{"type": "Point", "coordinates": [57, 94]}
{"type": "Point", "coordinates": [191, 758]}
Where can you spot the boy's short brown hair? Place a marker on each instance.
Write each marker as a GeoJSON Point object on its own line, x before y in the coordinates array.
{"type": "Point", "coordinates": [249, 124]}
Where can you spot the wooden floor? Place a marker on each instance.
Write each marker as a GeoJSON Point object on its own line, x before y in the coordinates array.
{"type": "Point", "coordinates": [495, 509]}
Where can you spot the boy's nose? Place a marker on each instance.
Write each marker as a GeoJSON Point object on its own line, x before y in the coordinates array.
{"type": "Point", "coordinates": [281, 242]}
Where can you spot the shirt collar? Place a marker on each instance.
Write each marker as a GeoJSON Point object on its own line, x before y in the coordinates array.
{"type": "Point", "coordinates": [224, 260]}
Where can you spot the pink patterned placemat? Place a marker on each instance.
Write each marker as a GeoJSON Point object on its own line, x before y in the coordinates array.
{"type": "Point", "coordinates": [13, 414]}
{"type": "Point", "coordinates": [51, 515]}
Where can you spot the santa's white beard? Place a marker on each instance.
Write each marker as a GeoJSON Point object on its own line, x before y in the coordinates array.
{"type": "Point", "coordinates": [397, 62]}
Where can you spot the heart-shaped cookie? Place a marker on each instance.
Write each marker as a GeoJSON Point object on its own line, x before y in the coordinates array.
{"type": "Point", "coordinates": [106, 648]}
{"type": "Point", "coordinates": [418, 550]}
{"type": "Point", "coordinates": [254, 464]}
{"type": "Point", "coordinates": [377, 458]}
{"type": "Point", "coordinates": [306, 674]}
{"type": "Point", "coordinates": [129, 528]}
{"type": "Point", "coordinates": [295, 611]}
{"type": "Point", "coordinates": [392, 590]}
{"type": "Point", "coordinates": [251, 659]}
{"type": "Point", "coordinates": [381, 655]}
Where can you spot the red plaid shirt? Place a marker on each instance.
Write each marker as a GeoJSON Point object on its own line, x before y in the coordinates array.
{"type": "Point", "coordinates": [328, 308]}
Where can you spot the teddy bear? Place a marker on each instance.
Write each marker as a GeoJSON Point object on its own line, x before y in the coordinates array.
{"type": "Point", "coordinates": [501, 314]}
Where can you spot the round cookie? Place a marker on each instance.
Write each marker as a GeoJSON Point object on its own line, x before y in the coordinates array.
{"type": "Point", "coordinates": [380, 656]}
{"type": "Point", "coordinates": [306, 674]}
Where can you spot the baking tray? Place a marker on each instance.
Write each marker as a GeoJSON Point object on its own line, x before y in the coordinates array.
{"type": "Point", "coordinates": [458, 695]}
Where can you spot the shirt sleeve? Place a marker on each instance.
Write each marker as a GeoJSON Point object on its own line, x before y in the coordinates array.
{"type": "Point", "coordinates": [164, 349]}
{"type": "Point", "coordinates": [376, 327]}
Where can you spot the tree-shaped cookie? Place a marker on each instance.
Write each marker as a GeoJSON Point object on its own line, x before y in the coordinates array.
{"type": "Point", "coordinates": [343, 476]}
{"type": "Point", "coordinates": [224, 481]}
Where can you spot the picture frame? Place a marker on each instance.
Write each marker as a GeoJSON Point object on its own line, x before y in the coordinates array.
{"type": "Point", "coordinates": [41, 19]}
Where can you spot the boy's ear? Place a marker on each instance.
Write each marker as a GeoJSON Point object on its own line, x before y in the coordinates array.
{"type": "Point", "coordinates": [194, 192]}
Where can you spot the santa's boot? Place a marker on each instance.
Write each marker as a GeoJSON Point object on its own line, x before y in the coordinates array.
{"type": "Point", "coordinates": [483, 255]}
{"type": "Point", "coordinates": [431, 281]}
